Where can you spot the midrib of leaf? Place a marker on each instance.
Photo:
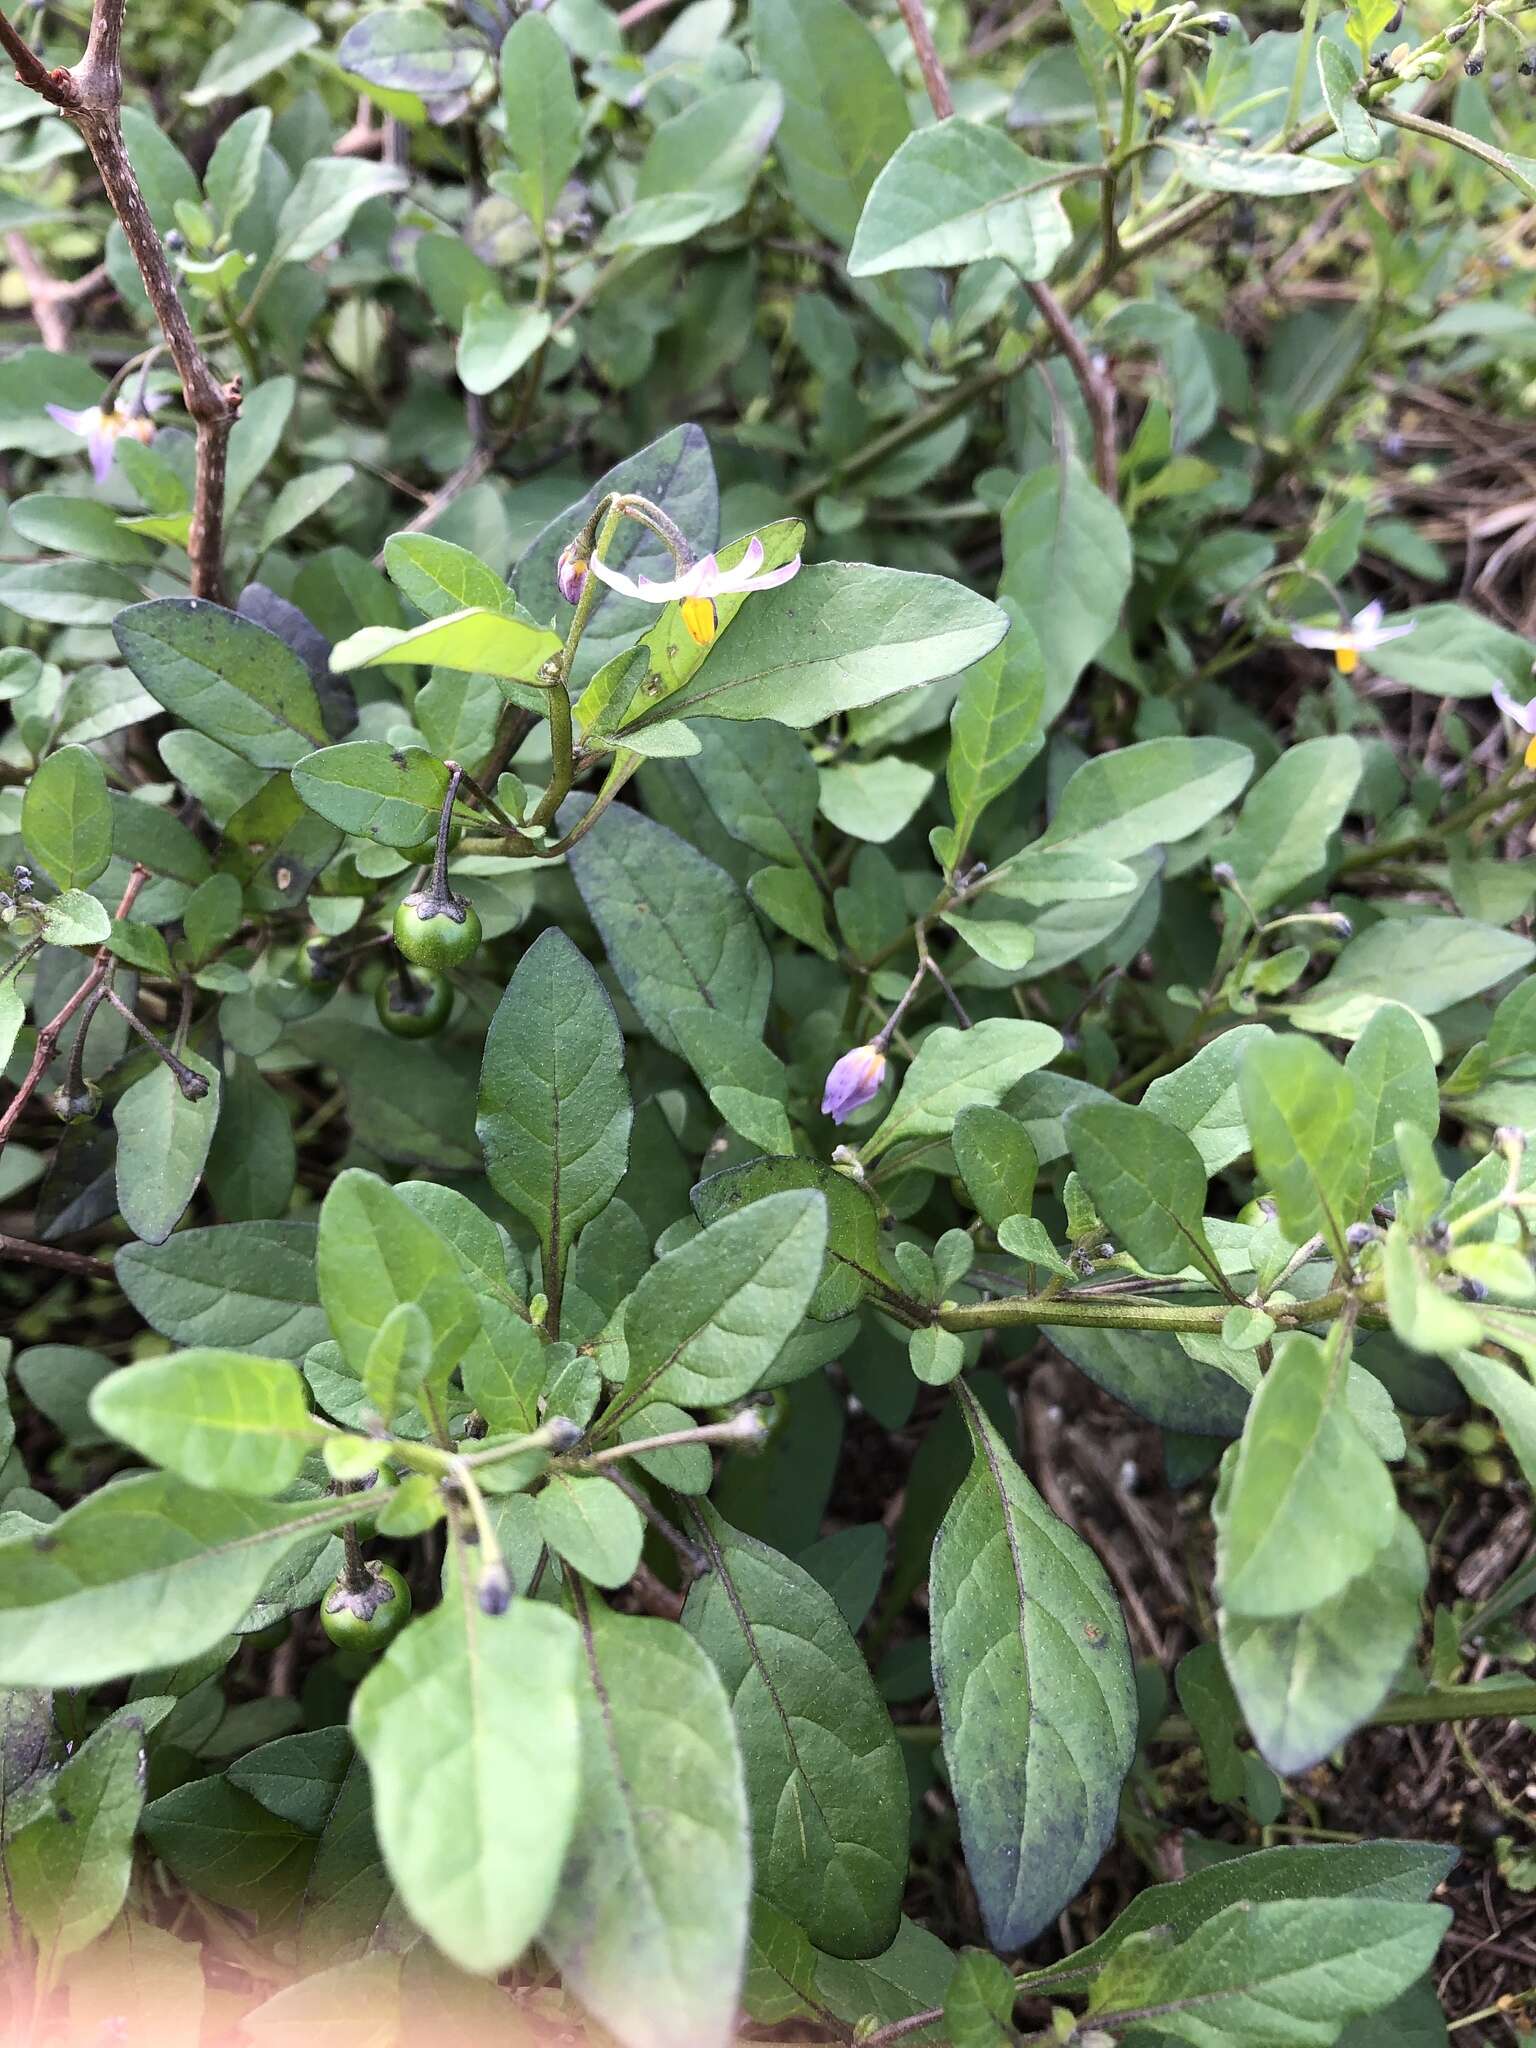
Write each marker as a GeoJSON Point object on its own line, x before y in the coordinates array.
{"type": "Point", "coordinates": [983, 1444]}
{"type": "Point", "coordinates": [743, 1622]}
{"type": "Point", "coordinates": [336, 1511]}
{"type": "Point", "coordinates": [627, 1798]}
{"type": "Point", "coordinates": [986, 206]}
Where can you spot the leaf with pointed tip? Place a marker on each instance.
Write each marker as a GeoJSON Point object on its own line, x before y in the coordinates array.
{"type": "Point", "coordinates": [825, 1781]}
{"type": "Point", "coordinates": [469, 1728]}
{"type": "Point", "coordinates": [1036, 1690]}
{"type": "Point", "coordinates": [218, 1418]}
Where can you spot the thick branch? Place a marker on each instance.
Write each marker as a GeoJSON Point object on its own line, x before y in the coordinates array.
{"type": "Point", "coordinates": [91, 98]}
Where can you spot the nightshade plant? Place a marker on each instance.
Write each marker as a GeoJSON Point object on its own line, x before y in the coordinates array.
{"type": "Point", "coordinates": [527, 1020]}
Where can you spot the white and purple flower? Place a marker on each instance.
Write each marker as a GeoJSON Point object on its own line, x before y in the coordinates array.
{"type": "Point", "coordinates": [853, 1081]}
{"type": "Point", "coordinates": [101, 427]}
{"type": "Point", "coordinates": [571, 571]}
{"type": "Point", "coordinates": [697, 587]}
{"type": "Point", "coordinates": [1364, 633]}
{"type": "Point", "coordinates": [1523, 715]}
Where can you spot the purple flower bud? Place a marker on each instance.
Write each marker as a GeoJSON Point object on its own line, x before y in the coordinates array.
{"type": "Point", "coordinates": [572, 570]}
{"type": "Point", "coordinates": [854, 1081]}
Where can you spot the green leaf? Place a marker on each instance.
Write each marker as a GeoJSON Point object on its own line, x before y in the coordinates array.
{"type": "Point", "coordinates": [327, 193]}
{"type": "Point", "coordinates": [650, 1923]}
{"type": "Point", "coordinates": [1454, 651]}
{"type": "Point", "coordinates": [979, 2003]}
{"type": "Point", "coordinates": [825, 1782]}
{"type": "Point", "coordinates": [994, 729]}
{"type": "Point", "coordinates": [1310, 1505]}
{"type": "Point", "coordinates": [844, 109]}
{"type": "Point", "coordinates": [744, 1080]}
{"type": "Point", "coordinates": [438, 577]}
{"type": "Point", "coordinates": [497, 340]}
{"type": "Point", "coordinates": [148, 1571]}
{"type": "Point", "coordinates": [217, 1418]}
{"type": "Point", "coordinates": [1285, 1974]}
{"type": "Point", "coordinates": [1201, 1097]}
{"type": "Point", "coordinates": [957, 193]}
{"type": "Point", "coordinates": [267, 37]}
{"type": "Point", "coordinates": [677, 930]}
{"type": "Point", "coordinates": [1067, 569]}
{"type": "Point", "coordinates": [390, 794]}
{"type": "Point", "coordinates": [1219, 167]}
{"type": "Point", "coordinates": [411, 50]}
{"type": "Point", "coordinates": [554, 1114]}
{"type": "Point", "coordinates": [71, 593]}
{"type": "Point", "coordinates": [225, 676]}
{"type": "Point", "coordinates": [234, 169]}
{"type": "Point", "coordinates": [1311, 1140]}
{"type": "Point", "coordinates": [238, 1286]}
{"type": "Point", "coordinates": [708, 1320]}
{"type": "Point", "coordinates": [68, 1868]}
{"type": "Point", "coordinates": [538, 99]}
{"type": "Point", "coordinates": [469, 1726]}
{"type": "Point", "coordinates": [485, 642]}
{"type": "Point", "coordinates": [1147, 1181]}
{"type": "Point", "coordinates": [1394, 1073]}
{"type": "Point", "coordinates": [142, 832]}
{"type": "Point", "coordinates": [1340, 81]}
{"type": "Point", "coordinates": [1306, 1681]}
{"type": "Point", "coordinates": [66, 819]}
{"type": "Point", "coordinates": [373, 1252]}
{"type": "Point", "coordinates": [837, 636]}
{"type": "Point", "coordinates": [592, 1525]}
{"type": "Point", "coordinates": [75, 919]}
{"type": "Point", "coordinates": [855, 1265]}
{"type": "Point", "coordinates": [1291, 813]}
{"type": "Point", "coordinates": [1427, 962]}
{"type": "Point", "coordinates": [300, 499]}
{"type": "Point", "coordinates": [997, 1162]}
{"type": "Point", "coordinates": [162, 1147]}
{"type": "Point", "coordinates": [954, 1069]}
{"type": "Point", "coordinates": [1036, 1691]}
{"type": "Point", "coordinates": [1151, 794]}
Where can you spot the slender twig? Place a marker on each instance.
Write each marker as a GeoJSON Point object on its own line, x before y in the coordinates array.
{"type": "Point", "coordinates": [1098, 392]}
{"type": "Point", "coordinates": [55, 301]}
{"type": "Point", "coordinates": [27, 1253]}
{"type": "Point", "coordinates": [48, 1037]}
{"type": "Point", "coordinates": [90, 97]}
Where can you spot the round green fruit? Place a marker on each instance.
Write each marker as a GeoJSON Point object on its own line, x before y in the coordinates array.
{"type": "Point", "coordinates": [420, 1012]}
{"type": "Point", "coordinates": [314, 967]}
{"type": "Point", "coordinates": [369, 1619]}
{"type": "Point", "coordinates": [431, 935]}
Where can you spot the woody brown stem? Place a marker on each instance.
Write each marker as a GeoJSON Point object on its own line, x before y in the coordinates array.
{"type": "Point", "coordinates": [91, 98]}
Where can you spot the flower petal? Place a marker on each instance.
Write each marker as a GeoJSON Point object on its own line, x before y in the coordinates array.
{"type": "Point", "coordinates": [1378, 636]}
{"type": "Point", "coordinates": [101, 444]}
{"type": "Point", "coordinates": [1368, 618]}
{"type": "Point", "coordinates": [625, 585]}
{"type": "Point", "coordinates": [1322, 637]}
{"type": "Point", "coordinates": [1524, 715]}
{"type": "Point", "coordinates": [854, 1080]}
{"type": "Point", "coordinates": [74, 422]}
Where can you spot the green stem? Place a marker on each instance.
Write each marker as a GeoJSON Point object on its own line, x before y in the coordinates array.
{"type": "Point", "coordinates": [1035, 1311]}
{"type": "Point", "coordinates": [1431, 836]}
{"type": "Point", "coordinates": [562, 771]}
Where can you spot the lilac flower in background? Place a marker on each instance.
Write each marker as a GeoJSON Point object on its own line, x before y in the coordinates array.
{"type": "Point", "coordinates": [571, 571]}
{"type": "Point", "coordinates": [1362, 635]}
{"type": "Point", "coordinates": [853, 1081]}
{"type": "Point", "coordinates": [1523, 715]}
{"type": "Point", "coordinates": [101, 427]}
{"type": "Point", "coordinates": [697, 587]}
